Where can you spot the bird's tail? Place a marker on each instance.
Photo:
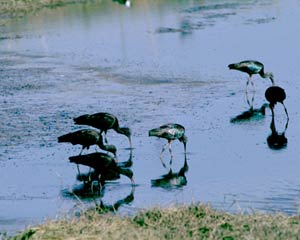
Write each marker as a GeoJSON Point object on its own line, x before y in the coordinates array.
{"type": "Point", "coordinates": [81, 120]}
{"type": "Point", "coordinates": [154, 132]}
{"type": "Point", "coordinates": [232, 66]}
{"type": "Point", "coordinates": [64, 138]}
{"type": "Point", "coordinates": [77, 159]}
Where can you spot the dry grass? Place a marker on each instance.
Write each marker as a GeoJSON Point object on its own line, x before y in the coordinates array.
{"type": "Point", "coordinates": [186, 222]}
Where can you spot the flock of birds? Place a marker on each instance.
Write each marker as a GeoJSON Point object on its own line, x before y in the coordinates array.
{"type": "Point", "coordinates": [106, 166]}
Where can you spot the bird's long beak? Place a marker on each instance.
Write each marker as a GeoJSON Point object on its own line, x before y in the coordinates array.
{"type": "Point", "coordinates": [272, 80]}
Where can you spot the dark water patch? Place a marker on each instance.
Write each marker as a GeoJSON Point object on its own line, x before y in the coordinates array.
{"type": "Point", "coordinates": [260, 20]}
{"type": "Point", "coordinates": [210, 7]}
{"type": "Point", "coordinates": [219, 15]}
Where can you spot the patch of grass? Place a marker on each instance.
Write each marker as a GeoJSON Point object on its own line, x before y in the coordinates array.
{"type": "Point", "coordinates": [183, 222]}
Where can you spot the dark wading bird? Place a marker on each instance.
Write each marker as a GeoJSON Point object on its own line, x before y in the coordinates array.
{"type": "Point", "coordinates": [252, 67]}
{"type": "Point", "coordinates": [87, 138]}
{"type": "Point", "coordinates": [104, 121]}
{"type": "Point", "coordinates": [103, 165]}
{"type": "Point", "coordinates": [275, 95]}
{"type": "Point", "coordinates": [171, 132]}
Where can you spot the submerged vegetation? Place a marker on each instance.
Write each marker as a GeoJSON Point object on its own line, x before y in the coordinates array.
{"type": "Point", "coordinates": [181, 222]}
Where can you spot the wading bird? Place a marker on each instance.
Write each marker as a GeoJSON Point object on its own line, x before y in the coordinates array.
{"type": "Point", "coordinates": [171, 132]}
{"type": "Point", "coordinates": [252, 67]}
{"type": "Point", "coordinates": [87, 138]}
{"type": "Point", "coordinates": [275, 95]}
{"type": "Point", "coordinates": [103, 121]}
{"type": "Point", "coordinates": [103, 165]}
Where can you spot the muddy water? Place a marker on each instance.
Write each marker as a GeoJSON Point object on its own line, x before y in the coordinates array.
{"type": "Point", "coordinates": [153, 63]}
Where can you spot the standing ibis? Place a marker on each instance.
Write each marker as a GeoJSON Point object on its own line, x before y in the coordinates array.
{"type": "Point", "coordinates": [103, 165]}
{"type": "Point", "coordinates": [103, 121]}
{"type": "Point", "coordinates": [252, 67]}
{"type": "Point", "coordinates": [87, 138]}
{"type": "Point", "coordinates": [275, 94]}
{"type": "Point", "coordinates": [171, 132]}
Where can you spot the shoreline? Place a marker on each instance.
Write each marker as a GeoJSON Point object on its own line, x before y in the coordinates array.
{"type": "Point", "coordinates": [195, 221]}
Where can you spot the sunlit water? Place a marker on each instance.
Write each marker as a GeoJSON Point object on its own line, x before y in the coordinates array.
{"type": "Point", "coordinates": [153, 63]}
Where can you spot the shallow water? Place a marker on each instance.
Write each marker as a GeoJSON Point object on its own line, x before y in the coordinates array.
{"type": "Point", "coordinates": [153, 63]}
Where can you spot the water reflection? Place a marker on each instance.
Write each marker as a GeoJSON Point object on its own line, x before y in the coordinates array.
{"type": "Point", "coordinates": [126, 3]}
{"type": "Point", "coordinates": [172, 179]}
{"type": "Point", "coordinates": [115, 206]}
{"type": "Point", "coordinates": [85, 192]}
{"type": "Point", "coordinates": [91, 176]}
{"type": "Point", "coordinates": [251, 114]}
{"type": "Point", "coordinates": [275, 140]}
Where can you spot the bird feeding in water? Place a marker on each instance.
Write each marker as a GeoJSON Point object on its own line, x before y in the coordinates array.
{"type": "Point", "coordinates": [252, 67]}
{"type": "Point", "coordinates": [275, 94]}
{"type": "Point", "coordinates": [103, 165]}
{"type": "Point", "coordinates": [171, 132]}
{"type": "Point", "coordinates": [87, 138]}
{"type": "Point", "coordinates": [104, 121]}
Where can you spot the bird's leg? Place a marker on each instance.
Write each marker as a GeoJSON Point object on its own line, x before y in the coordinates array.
{"type": "Point", "coordinates": [105, 138]}
{"type": "Point", "coordinates": [252, 84]}
{"type": "Point", "coordinates": [272, 110]}
{"type": "Point", "coordinates": [248, 80]}
{"type": "Point", "coordinates": [170, 150]}
{"type": "Point", "coordinates": [79, 174]}
{"type": "Point", "coordinates": [81, 151]}
{"type": "Point", "coordinates": [99, 183]}
{"type": "Point", "coordinates": [163, 149]}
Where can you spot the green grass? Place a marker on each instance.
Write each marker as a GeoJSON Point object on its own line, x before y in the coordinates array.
{"type": "Point", "coordinates": [183, 222]}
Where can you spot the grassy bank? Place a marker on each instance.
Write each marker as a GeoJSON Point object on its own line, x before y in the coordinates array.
{"type": "Point", "coordinates": [185, 222]}
{"type": "Point", "coordinates": [10, 9]}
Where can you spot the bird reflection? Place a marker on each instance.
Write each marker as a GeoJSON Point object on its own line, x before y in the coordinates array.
{"type": "Point", "coordinates": [251, 114]}
{"type": "Point", "coordinates": [127, 3]}
{"type": "Point", "coordinates": [84, 192]}
{"type": "Point", "coordinates": [103, 208]}
{"type": "Point", "coordinates": [275, 140]}
{"type": "Point", "coordinates": [172, 180]}
{"type": "Point", "coordinates": [89, 177]}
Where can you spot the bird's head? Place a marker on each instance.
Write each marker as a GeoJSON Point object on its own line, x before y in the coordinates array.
{"type": "Point", "coordinates": [184, 140]}
{"type": "Point", "coordinates": [127, 132]}
{"type": "Point", "coordinates": [270, 76]}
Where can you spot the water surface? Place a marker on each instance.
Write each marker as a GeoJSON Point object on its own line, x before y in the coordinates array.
{"type": "Point", "coordinates": [153, 63]}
